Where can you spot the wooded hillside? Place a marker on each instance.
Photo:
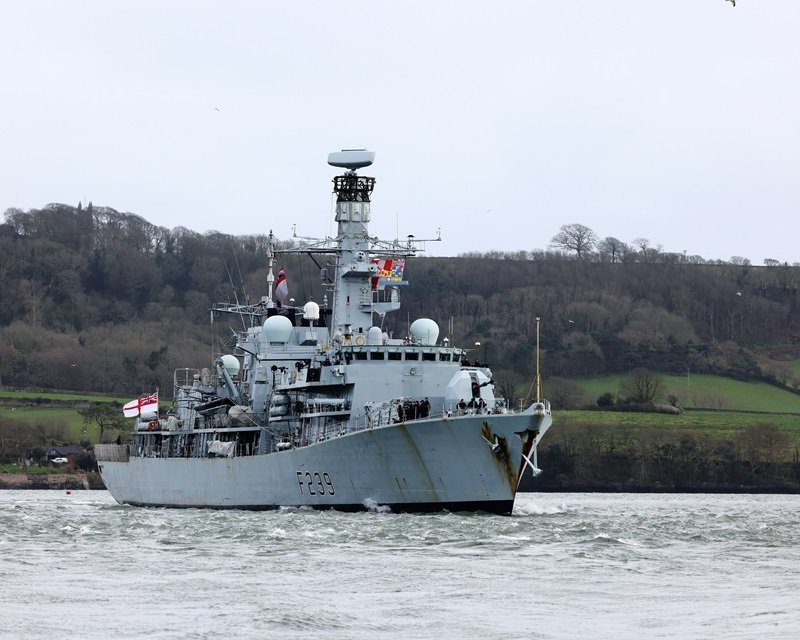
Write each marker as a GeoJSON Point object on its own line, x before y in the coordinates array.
{"type": "Point", "coordinates": [97, 300]}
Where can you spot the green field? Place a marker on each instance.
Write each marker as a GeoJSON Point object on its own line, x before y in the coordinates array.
{"type": "Point", "coordinates": [51, 396]}
{"type": "Point", "coordinates": [713, 405]}
{"type": "Point", "coordinates": [54, 413]}
{"type": "Point", "coordinates": [59, 423]}
{"type": "Point", "coordinates": [703, 391]}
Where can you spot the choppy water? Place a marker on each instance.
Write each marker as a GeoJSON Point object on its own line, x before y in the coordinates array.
{"type": "Point", "coordinates": [563, 566]}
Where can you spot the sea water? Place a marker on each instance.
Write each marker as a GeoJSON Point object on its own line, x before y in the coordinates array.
{"type": "Point", "coordinates": [78, 565]}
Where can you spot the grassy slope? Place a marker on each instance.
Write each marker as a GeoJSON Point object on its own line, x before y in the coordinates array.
{"type": "Point", "coordinates": [714, 405]}
{"type": "Point", "coordinates": [701, 391]}
{"type": "Point", "coordinates": [65, 396]}
{"type": "Point", "coordinates": [61, 423]}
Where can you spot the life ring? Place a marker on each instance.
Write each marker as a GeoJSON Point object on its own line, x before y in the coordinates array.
{"type": "Point", "coordinates": [360, 340]}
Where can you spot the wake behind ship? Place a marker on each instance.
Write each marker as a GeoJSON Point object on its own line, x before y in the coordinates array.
{"type": "Point", "coordinates": [319, 407]}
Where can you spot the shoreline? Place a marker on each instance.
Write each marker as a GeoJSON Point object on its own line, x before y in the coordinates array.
{"type": "Point", "coordinates": [60, 481]}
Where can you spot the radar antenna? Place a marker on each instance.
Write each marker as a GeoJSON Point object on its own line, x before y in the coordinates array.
{"type": "Point", "coordinates": [351, 159]}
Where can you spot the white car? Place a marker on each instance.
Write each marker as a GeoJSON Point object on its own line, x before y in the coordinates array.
{"type": "Point", "coordinates": [59, 460]}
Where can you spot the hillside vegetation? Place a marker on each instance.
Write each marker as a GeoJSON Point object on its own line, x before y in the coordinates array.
{"type": "Point", "coordinates": [101, 301]}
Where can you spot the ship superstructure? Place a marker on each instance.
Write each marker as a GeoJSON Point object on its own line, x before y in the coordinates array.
{"type": "Point", "coordinates": [318, 406]}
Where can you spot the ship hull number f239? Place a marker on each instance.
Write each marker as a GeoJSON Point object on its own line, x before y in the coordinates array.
{"type": "Point", "coordinates": [314, 483]}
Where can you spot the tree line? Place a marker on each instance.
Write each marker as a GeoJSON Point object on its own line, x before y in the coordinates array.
{"type": "Point", "coordinates": [94, 299]}
{"type": "Point", "coordinates": [583, 243]}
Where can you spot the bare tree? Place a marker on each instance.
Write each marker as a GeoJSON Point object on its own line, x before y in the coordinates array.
{"type": "Point", "coordinates": [575, 237]}
{"type": "Point", "coordinates": [565, 394]}
{"type": "Point", "coordinates": [641, 387]}
{"type": "Point", "coordinates": [649, 253]}
{"type": "Point", "coordinates": [612, 249]}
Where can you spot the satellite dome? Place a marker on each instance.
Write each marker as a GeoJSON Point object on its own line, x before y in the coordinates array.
{"type": "Point", "coordinates": [424, 331]}
{"type": "Point", "coordinates": [374, 336]}
{"type": "Point", "coordinates": [231, 364]}
{"type": "Point", "coordinates": [277, 329]}
{"type": "Point", "coordinates": [311, 311]}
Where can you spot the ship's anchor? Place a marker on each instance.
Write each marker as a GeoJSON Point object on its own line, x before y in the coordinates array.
{"type": "Point", "coordinates": [535, 470]}
{"type": "Point", "coordinates": [495, 446]}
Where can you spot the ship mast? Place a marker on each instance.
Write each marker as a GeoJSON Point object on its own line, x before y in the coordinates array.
{"type": "Point", "coordinates": [356, 297]}
{"type": "Point", "coordinates": [270, 275]}
{"type": "Point", "coordinates": [352, 304]}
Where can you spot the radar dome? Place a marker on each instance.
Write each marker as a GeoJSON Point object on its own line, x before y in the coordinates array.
{"type": "Point", "coordinates": [277, 329]}
{"type": "Point", "coordinates": [311, 311]}
{"type": "Point", "coordinates": [231, 364]}
{"type": "Point", "coordinates": [374, 336]}
{"type": "Point", "coordinates": [424, 331]}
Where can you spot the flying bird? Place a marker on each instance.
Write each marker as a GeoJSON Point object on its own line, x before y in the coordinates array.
{"type": "Point", "coordinates": [733, 2]}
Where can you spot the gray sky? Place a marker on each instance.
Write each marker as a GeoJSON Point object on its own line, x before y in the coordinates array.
{"type": "Point", "coordinates": [675, 121]}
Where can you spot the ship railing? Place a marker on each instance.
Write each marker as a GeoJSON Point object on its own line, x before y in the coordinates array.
{"type": "Point", "coordinates": [183, 379]}
{"type": "Point", "coordinates": [379, 416]}
{"type": "Point", "coordinates": [112, 452]}
{"type": "Point", "coordinates": [245, 449]}
{"type": "Point", "coordinates": [541, 408]}
{"type": "Point", "coordinates": [319, 433]}
{"type": "Point", "coordinates": [161, 451]}
{"type": "Point", "coordinates": [469, 411]}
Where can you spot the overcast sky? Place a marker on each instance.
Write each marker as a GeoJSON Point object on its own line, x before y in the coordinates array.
{"type": "Point", "coordinates": [498, 122]}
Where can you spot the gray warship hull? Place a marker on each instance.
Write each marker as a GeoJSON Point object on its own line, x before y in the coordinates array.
{"type": "Point", "coordinates": [425, 465]}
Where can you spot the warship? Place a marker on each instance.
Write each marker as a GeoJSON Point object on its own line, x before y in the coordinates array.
{"type": "Point", "coordinates": [317, 406]}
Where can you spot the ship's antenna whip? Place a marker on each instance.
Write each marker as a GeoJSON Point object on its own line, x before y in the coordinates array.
{"type": "Point", "coordinates": [241, 279]}
{"type": "Point", "coordinates": [235, 293]}
{"type": "Point", "coordinates": [537, 380]}
{"type": "Point", "coordinates": [538, 374]}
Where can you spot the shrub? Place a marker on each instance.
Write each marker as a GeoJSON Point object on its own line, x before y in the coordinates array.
{"type": "Point", "coordinates": [606, 400]}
